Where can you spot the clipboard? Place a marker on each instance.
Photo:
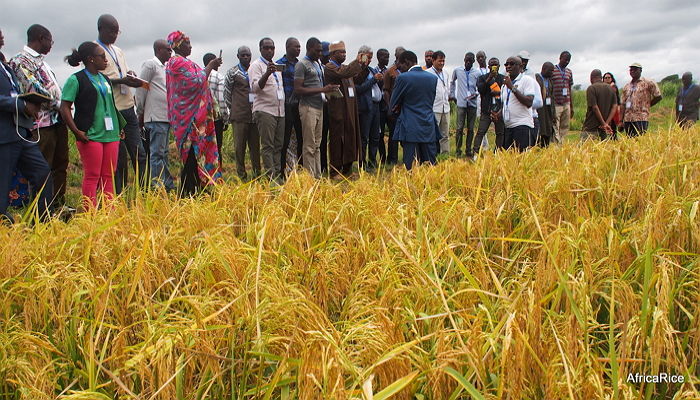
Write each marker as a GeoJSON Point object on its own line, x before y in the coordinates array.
{"type": "Point", "coordinates": [35, 98]}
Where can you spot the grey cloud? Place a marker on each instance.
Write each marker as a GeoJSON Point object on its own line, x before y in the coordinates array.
{"type": "Point", "coordinates": [602, 34]}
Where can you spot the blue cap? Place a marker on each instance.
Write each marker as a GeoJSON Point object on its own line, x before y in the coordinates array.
{"type": "Point", "coordinates": [326, 48]}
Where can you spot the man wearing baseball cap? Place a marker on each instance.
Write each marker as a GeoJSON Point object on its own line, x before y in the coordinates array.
{"type": "Point", "coordinates": [637, 98]}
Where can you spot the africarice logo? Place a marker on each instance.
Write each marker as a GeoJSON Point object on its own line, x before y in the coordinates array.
{"type": "Point", "coordinates": [659, 378]}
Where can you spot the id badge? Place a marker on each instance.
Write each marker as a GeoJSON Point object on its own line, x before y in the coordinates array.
{"type": "Point", "coordinates": [680, 107]}
{"type": "Point", "coordinates": [323, 97]}
{"type": "Point", "coordinates": [548, 101]}
{"type": "Point", "coordinates": [251, 97]}
{"type": "Point", "coordinates": [628, 104]}
{"type": "Point", "coordinates": [123, 89]}
{"type": "Point", "coordinates": [109, 125]}
{"type": "Point", "coordinates": [565, 92]}
{"type": "Point", "coordinates": [280, 93]}
{"type": "Point", "coordinates": [351, 92]}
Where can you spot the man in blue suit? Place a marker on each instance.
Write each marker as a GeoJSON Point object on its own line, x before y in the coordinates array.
{"type": "Point", "coordinates": [17, 150]}
{"type": "Point", "coordinates": [413, 97]}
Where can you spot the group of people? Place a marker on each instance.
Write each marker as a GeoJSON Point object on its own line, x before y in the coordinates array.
{"type": "Point", "coordinates": [338, 111]}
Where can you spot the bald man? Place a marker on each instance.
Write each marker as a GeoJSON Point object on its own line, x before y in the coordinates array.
{"type": "Point", "coordinates": [602, 106]}
{"type": "Point", "coordinates": [152, 111]}
{"type": "Point", "coordinates": [687, 102]}
{"type": "Point", "coordinates": [123, 79]}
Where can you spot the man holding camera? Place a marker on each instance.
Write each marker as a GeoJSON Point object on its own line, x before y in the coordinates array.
{"type": "Point", "coordinates": [268, 107]}
{"type": "Point", "coordinates": [489, 87]}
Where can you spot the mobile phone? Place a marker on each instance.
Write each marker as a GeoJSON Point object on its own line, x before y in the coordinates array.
{"type": "Point", "coordinates": [494, 68]}
{"type": "Point", "coordinates": [220, 53]}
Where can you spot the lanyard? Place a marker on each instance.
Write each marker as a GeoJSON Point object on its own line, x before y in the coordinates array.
{"type": "Point", "coordinates": [113, 55]}
{"type": "Point", "coordinates": [509, 91]}
{"type": "Point", "coordinates": [317, 68]}
{"type": "Point", "coordinates": [243, 72]}
{"type": "Point", "coordinates": [684, 92]}
{"type": "Point", "coordinates": [274, 74]}
{"type": "Point", "coordinates": [562, 73]}
{"type": "Point", "coordinates": [442, 79]}
{"type": "Point", "coordinates": [100, 86]}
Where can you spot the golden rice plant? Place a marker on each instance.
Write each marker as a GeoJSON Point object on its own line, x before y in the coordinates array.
{"type": "Point", "coordinates": [552, 274]}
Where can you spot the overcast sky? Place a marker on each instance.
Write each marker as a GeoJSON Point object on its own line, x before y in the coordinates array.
{"type": "Point", "coordinates": [661, 35]}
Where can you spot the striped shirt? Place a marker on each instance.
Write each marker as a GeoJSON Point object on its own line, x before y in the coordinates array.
{"type": "Point", "coordinates": [216, 86]}
{"type": "Point", "coordinates": [562, 79]}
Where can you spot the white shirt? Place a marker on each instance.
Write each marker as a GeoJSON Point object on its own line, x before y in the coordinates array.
{"type": "Point", "coordinates": [152, 103]}
{"type": "Point", "coordinates": [442, 91]}
{"type": "Point", "coordinates": [514, 112]}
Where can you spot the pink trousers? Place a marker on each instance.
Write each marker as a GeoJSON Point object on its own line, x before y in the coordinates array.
{"type": "Point", "coordinates": [99, 163]}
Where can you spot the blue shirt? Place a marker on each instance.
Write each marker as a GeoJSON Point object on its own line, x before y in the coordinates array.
{"type": "Point", "coordinates": [288, 77]}
{"type": "Point", "coordinates": [463, 84]}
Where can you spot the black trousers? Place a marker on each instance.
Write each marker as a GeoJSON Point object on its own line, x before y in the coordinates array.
{"type": "Point", "coordinates": [131, 146]}
{"type": "Point", "coordinates": [31, 163]}
{"type": "Point", "coordinates": [292, 120]}
{"type": "Point", "coordinates": [519, 137]}
{"type": "Point", "coordinates": [392, 153]}
{"type": "Point", "coordinates": [219, 128]}
{"type": "Point", "coordinates": [423, 152]}
{"type": "Point", "coordinates": [381, 147]}
{"type": "Point", "coordinates": [189, 177]}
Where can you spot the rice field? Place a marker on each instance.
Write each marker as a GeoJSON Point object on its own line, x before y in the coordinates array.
{"type": "Point", "coordinates": [553, 274]}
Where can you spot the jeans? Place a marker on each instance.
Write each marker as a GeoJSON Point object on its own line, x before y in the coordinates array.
{"type": "Point", "coordinates": [131, 145]}
{"type": "Point", "coordinates": [159, 134]}
{"type": "Point", "coordinates": [469, 114]}
{"type": "Point", "coordinates": [31, 163]}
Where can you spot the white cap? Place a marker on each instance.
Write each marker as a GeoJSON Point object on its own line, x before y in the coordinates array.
{"type": "Point", "coordinates": [524, 54]}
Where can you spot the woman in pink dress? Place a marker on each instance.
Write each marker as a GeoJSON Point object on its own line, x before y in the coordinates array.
{"type": "Point", "coordinates": [191, 116]}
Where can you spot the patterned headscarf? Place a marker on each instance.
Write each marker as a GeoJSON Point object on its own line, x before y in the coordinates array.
{"type": "Point", "coordinates": [176, 38]}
